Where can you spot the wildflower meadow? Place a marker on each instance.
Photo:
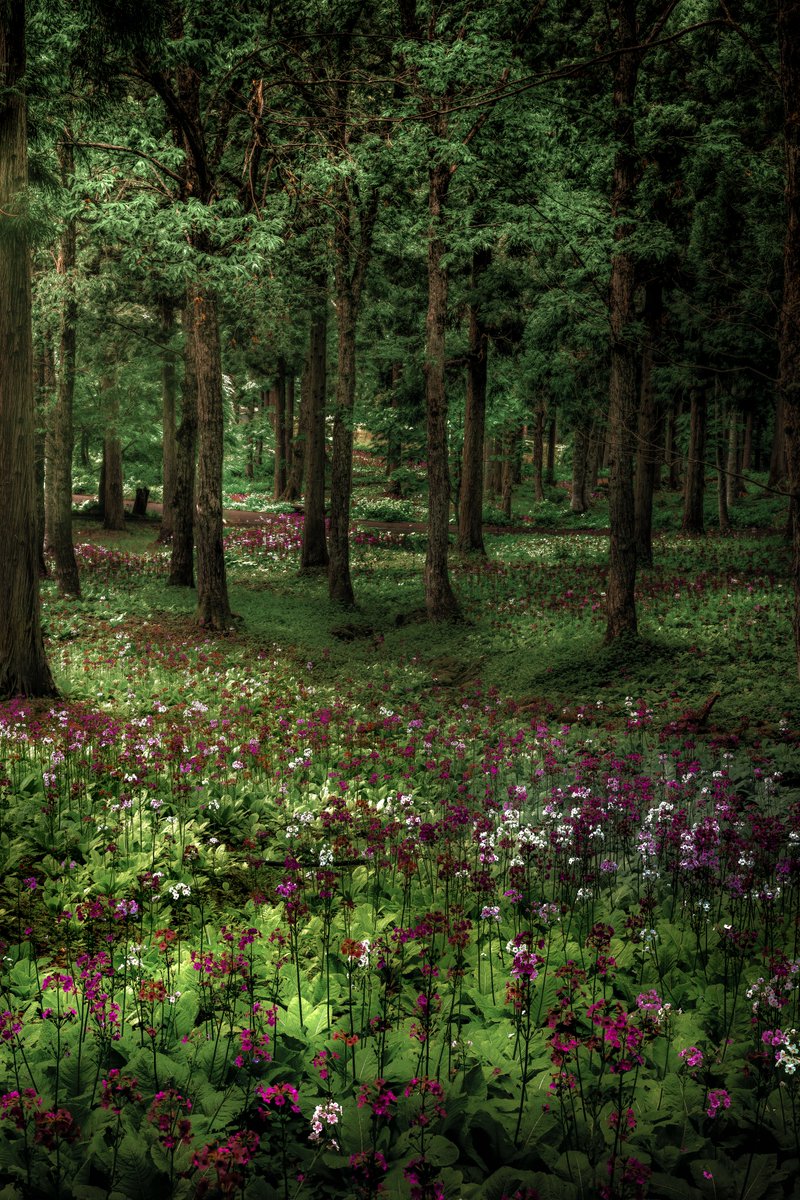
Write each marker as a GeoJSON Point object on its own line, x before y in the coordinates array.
{"type": "Point", "coordinates": [337, 907]}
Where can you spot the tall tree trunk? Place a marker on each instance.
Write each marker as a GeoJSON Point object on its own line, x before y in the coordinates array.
{"type": "Point", "coordinates": [694, 486]}
{"type": "Point", "coordinates": [648, 450]}
{"type": "Point", "coordinates": [623, 383]}
{"type": "Point", "coordinates": [279, 473]}
{"type": "Point", "coordinates": [732, 476]}
{"type": "Point", "coordinates": [550, 471]}
{"type": "Point", "coordinates": [579, 502]}
{"type": "Point", "coordinates": [777, 458]}
{"type": "Point", "coordinates": [314, 553]}
{"type": "Point", "coordinates": [723, 515]}
{"type": "Point", "coordinates": [470, 506]}
{"type": "Point", "coordinates": [213, 608]}
{"type": "Point", "coordinates": [352, 251]}
{"type": "Point", "coordinates": [61, 441]}
{"type": "Point", "coordinates": [538, 449]}
{"type": "Point", "coordinates": [789, 325]}
{"type": "Point", "coordinates": [747, 441]}
{"type": "Point", "coordinates": [297, 450]}
{"type": "Point", "coordinates": [113, 498]}
{"type": "Point", "coordinates": [181, 572]}
{"type": "Point", "coordinates": [40, 419]}
{"type": "Point", "coordinates": [510, 447]}
{"type": "Point", "coordinates": [672, 457]}
{"type": "Point", "coordinates": [288, 428]}
{"type": "Point", "coordinates": [166, 313]}
{"type": "Point", "coordinates": [340, 587]}
{"type": "Point", "coordinates": [440, 600]}
{"type": "Point", "coordinates": [24, 669]}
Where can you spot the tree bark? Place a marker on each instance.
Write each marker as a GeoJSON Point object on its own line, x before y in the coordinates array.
{"type": "Point", "coordinates": [723, 516]}
{"type": "Point", "coordinates": [579, 502]}
{"type": "Point", "coordinates": [166, 312]}
{"type": "Point", "coordinates": [213, 608]}
{"type": "Point", "coordinates": [314, 552]}
{"type": "Point", "coordinates": [61, 440]}
{"type": "Point", "coordinates": [470, 506]}
{"type": "Point", "coordinates": [440, 601]}
{"type": "Point", "coordinates": [777, 458]}
{"type": "Point", "coordinates": [538, 449]}
{"type": "Point", "coordinates": [297, 449]}
{"type": "Point", "coordinates": [549, 472]}
{"type": "Point", "coordinates": [279, 416]}
{"type": "Point", "coordinates": [24, 669]}
{"type": "Point", "coordinates": [789, 324]}
{"type": "Point", "coordinates": [113, 498]}
{"type": "Point", "coordinates": [352, 250]}
{"type": "Point", "coordinates": [694, 486]}
{"type": "Point", "coordinates": [732, 476]}
{"type": "Point", "coordinates": [181, 572]}
{"type": "Point", "coordinates": [623, 383]}
{"type": "Point", "coordinates": [648, 450]}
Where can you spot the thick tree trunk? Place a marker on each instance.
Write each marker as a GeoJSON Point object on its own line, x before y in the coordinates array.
{"type": "Point", "coordinates": [538, 449]}
{"type": "Point", "coordinates": [168, 397]}
{"type": "Point", "coordinates": [440, 600]}
{"type": "Point", "coordinates": [648, 449]}
{"type": "Point", "coordinates": [623, 383]}
{"type": "Point", "coordinates": [789, 325]}
{"type": "Point", "coordinates": [470, 501]}
{"type": "Point", "coordinates": [181, 572]}
{"type": "Point", "coordinates": [24, 669]}
{"type": "Point", "coordinates": [579, 502]}
{"type": "Point", "coordinates": [279, 416]}
{"type": "Point", "coordinates": [314, 553]}
{"type": "Point", "coordinates": [694, 486]}
{"type": "Point", "coordinates": [213, 608]}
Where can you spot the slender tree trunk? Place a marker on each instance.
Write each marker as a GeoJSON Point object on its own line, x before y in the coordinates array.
{"type": "Point", "coordinates": [723, 515]}
{"type": "Point", "coordinates": [113, 498]}
{"type": "Point", "coordinates": [777, 458]}
{"type": "Point", "coordinates": [62, 440]}
{"type": "Point", "coordinates": [580, 457]}
{"type": "Point", "coordinates": [24, 669]}
{"type": "Point", "coordinates": [340, 587]}
{"type": "Point", "coordinates": [168, 403]}
{"type": "Point", "coordinates": [352, 249]}
{"type": "Point", "coordinates": [789, 325]}
{"type": "Point", "coordinates": [694, 487]}
{"type": "Point", "coordinates": [747, 442]}
{"type": "Point", "coordinates": [550, 472]}
{"type": "Point", "coordinates": [297, 452]}
{"type": "Point", "coordinates": [40, 416]}
{"type": "Point", "coordinates": [538, 449]}
{"type": "Point", "coordinates": [213, 608]}
{"type": "Point", "coordinates": [288, 429]}
{"type": "Point", "coordinates": [279, 474]}
{"type": "Point", "coordinates": [314, 554]}
{"type": "Point", "coordinates": [440, 600]}
{"type": "Point", "coordinates": [470, 506]}
{"type": "Point", "coordinates": [510, 445]}
{"type": "Point", "coordinates": [181, 572]}
{"type": "Point", "coordinates": [732, 476]}
{"type": "Point", "coordinates": [648, 450]}
{"type": "Point", "coordinates": [623, 383]}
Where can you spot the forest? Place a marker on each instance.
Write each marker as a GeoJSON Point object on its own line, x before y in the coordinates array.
{"type": "Point", "coordinates": [400, 599]}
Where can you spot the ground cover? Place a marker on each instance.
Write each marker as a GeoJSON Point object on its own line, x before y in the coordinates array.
{"type": "Point", "coordinates": [343, 905]}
